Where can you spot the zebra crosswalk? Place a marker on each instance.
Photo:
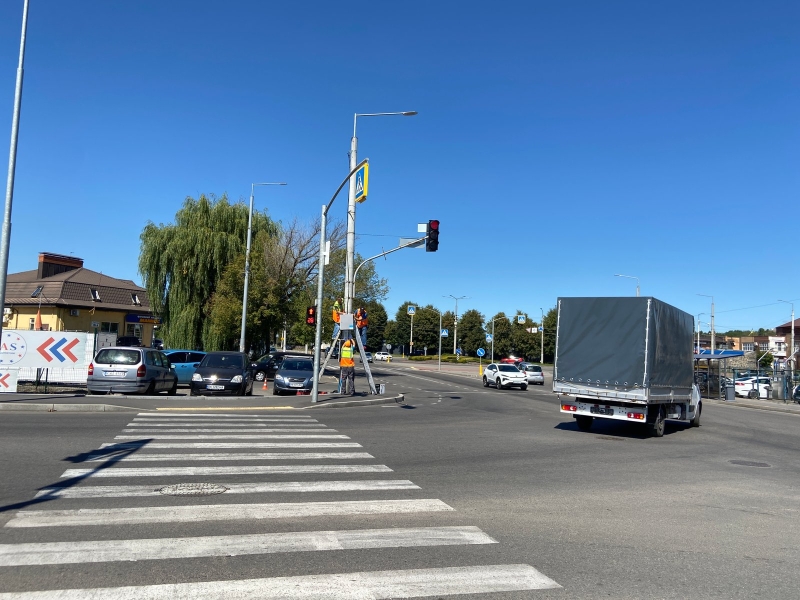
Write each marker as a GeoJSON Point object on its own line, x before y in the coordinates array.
{"type": "Point", "coordinates": [95, 520]}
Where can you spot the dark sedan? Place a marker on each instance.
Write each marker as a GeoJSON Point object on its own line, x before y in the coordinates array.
{"type": "Point", "coordinates": [223, 373]}
{"type": "Point", "coordinates": [266, 366]}
{"type": "Point", "coordinates": [296, 374]}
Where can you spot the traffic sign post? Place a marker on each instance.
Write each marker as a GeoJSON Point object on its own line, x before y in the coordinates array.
{"type": "Point", "coordinates": [445, 333]}
{"type": "Point", "coordinates": [480, 352]}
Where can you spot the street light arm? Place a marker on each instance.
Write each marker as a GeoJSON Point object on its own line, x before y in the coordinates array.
{"type": "Point", "coordinates": [371, 258]}
{"type": "Point", "coordinates": [346, 179]}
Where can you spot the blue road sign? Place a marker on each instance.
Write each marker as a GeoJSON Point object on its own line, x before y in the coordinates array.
{"type": "Point", "coordinates": [521, 319]}
{"type": "Point", "coordinates": [362, 181]}
{"type": "Point", "coordinates": [481, 352]}
{"type": "Point", "coordinates": [445, 333]}
{"type": "Point", "coordinates": [488, 337]}
{"type": "Point", "coordinates": [541, 329]}
{"type": "Point", "coordinates": [412, 310]}
{"type": "Point", "coordinates": [458, 351]}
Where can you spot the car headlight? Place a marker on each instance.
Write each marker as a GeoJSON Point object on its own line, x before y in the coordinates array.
{"type": "Point", "coordinates": [279, 378]}
{"type": "Point", "coordinates": [197, 377]}
{"type": "Point", "coordinates": [236, 379]}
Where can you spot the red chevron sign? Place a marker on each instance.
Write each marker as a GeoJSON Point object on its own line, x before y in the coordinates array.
{"type": "Point", "coordinates": [53, 349]}
{"type": "Point", "coordinates": [4, 378]}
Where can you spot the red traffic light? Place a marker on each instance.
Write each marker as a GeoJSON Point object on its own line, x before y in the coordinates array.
{"type": "Point", "coordinates": [434, 225]}
{"type": "Point", "coordinates": [311, 315]}
{"type": "Point", "coordinates": [432, 236]}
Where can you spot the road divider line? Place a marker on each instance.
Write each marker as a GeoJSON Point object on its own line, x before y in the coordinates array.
{"type": "Point", "coordinates": [125, 491]}
{"type": "Point", "coordinates": [201, 430]}
{"type": "Point", "coordinates": [254, 436]}
{"type": "Point", "coordinates": [231, 456]}
{"type": "Point", "coordinates": [218, 512]}
{"type": "Point", "coordinates": [410, 583]}
{"type": "Point", "coordinates": [228, 445]}
{"type": "Point", "coordinates": [59, 553]}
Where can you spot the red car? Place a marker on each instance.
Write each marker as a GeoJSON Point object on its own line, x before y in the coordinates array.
{"type": "Point", "coordinates": [511, 360]}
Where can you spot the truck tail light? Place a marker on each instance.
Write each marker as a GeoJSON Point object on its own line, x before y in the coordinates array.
{"type": "Point", "coordinates": [569, 407]}
{"type": "Point", "coordinates": [141, 371]}
{"type": "Point", "coordinates": [637, 416]}
{"type": "Point", "coordinates": [91, 368]}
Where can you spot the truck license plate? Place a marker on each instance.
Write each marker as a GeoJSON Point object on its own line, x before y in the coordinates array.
{"type": "Point", "coordinates": [215, 387]}
{"type": "Point", "coordinates": [602, 410]}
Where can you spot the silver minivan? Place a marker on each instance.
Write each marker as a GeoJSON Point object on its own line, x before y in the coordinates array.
{"type": "Point", "coordinates": [126, 370]}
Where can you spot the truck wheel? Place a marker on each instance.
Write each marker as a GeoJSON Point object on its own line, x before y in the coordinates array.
{"type": "Point", "coordinates": [584, 422]}
{"type": "Point", "coordinates": [696, 420]}
{"type": "Point", "coordinates": [485, 381]}
{"type": "Point", "coordinates": [657, 424]}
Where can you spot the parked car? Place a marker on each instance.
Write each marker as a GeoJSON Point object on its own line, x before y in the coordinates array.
{"type": "Point", "coordinates": [223, 373]}
{"type": "Point", "coordinates": [368, 356]}
{"type": "Point", "coordinates": [753, 387]}
{"type": "Point", "coordinates": [381, 355]}
{"type": "Point", "coordinates": [295, 374]}
{"type": "Point", "coordinates": [185, 363]}
{"type": "Point", "coordinates": [157, 344]}
{"type": "Point", "coordinates": [128, 370]}
{"type": "Point", "coordinates": [266, 366]}
{"type": "Point", "coordinates": [511, 360]}
{"type": "Point", "coordinates": [796, 394]}
{"type": "Point", "coordinates": [128, 340]}
{"type": "Point", "coordinates": [503, 376]}
{"type": "Point", "coordinates": [533, 372]}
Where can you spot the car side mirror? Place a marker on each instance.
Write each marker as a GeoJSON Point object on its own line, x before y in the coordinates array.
{"type": "Point", "coordinates": [195, 365]}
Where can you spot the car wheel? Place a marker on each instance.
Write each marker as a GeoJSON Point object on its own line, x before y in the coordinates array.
{"type": "Point", "coordinates": [174, 389]}
{"type": "Point", "coordinates": [276, 392]}
{"type": "Point", "coordinates": [485, 381]}
{"type": "Point", "coordinates": [93, 392]}
{"type": "Point", "coordinates": [497, 384]}
{"type": "Point", "coordinates": [260, 376]}
{"type": "Point", "coordinates": [151, 389]}
{"type": "Point", "coordinates": [191, 391]}
{"type": "Point", "coordinates": [752, 394]}
{"type": "Point", "coordinates": [523, 387]}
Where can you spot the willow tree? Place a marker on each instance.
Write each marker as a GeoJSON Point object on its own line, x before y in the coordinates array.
{"type": "Point", "coordinates": [182, 263]}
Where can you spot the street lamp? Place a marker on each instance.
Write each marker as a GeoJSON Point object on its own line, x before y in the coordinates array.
{"type": "Point", "coordinates": [455, 319]}
{"type": "Point", "coordinates": [698, 331]}
{"type": "Point", "coordinates": [713, 345]}
{"type": "Point", "coordinates": [791, 348]}
{"type": "Point", "coordinates": [247, 263]}
{"type": "Point", "coordinates": [541, 326]}
{"type": "Point", "coordinates": [631, 277]}
{"type": "Point", "coordinates": [351, 205]}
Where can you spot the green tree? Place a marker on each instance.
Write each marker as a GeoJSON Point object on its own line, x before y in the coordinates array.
{"type": "Point", "coordinates": [503, 342]}
{"type": "Point", "coordinates": [550, 324]}
{"type": "Point", "coordinates": [182, 264]}
{"type": "Point", "coordinates": [471, 334]}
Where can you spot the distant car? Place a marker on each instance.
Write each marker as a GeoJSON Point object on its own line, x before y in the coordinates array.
{"type": "Point", "coordinates": [157, 344]}
{"type": "Point", "coordinates": [368, 356]}
{"type": "Point", "coordinates": [533, 372]}
{"type": "Point", "coordinates": [511, 360]}
{"type": "Point", "coordinates": [753, 387]}
{"type": "Point", "coordinates": [381, 355]}
{"type": "Point", "coordinates": [796, 394]}
{"type": "Point", "coordinates": [295, 374]}
{"type": "Point", "coordinates": [185, 363]}
{"type": "Point", "coordinates": [129, 340]}
{"type": "Point", "coordinates": [127, 370]}
{"type": "Point", "coordinates": [223, 373]}
{"type": "Point", "coordinates": [267, 365]}
{"type": "Point", "coordinates": [503, 376]}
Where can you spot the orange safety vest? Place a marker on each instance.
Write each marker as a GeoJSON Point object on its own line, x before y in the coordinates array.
{"type": "Point", "coordinates": [361, 318]}
{"type": "Point", "coordinates": [335, 316]}
{"type": "Point", "coordinates": [346, 355]}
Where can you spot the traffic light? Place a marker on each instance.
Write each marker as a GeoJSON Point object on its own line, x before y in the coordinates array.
{"type": "Point", "coordinates": [311, 315]}
{"type": "Point", "coordinates": [432, 233]}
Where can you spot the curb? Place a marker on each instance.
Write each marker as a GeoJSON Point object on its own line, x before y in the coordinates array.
{"type": "Point", "coordinates": [67, 407]}
{"type": "Point", "coordinates": [400, 399]}
{"type": "Point", "coordinates": [766, 407]}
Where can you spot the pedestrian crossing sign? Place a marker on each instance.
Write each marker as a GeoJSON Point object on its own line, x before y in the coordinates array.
{"type": "Point", "coordinates": [362, 182]}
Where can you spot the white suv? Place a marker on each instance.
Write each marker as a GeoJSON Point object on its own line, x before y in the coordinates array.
{"type": "Point", "coordinates": [503, 376]}
{"type": "Point", "coordinates": [381, 355]}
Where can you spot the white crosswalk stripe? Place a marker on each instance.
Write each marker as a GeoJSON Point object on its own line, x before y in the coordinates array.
{"type": "Point", "coordinates": [205, 438]}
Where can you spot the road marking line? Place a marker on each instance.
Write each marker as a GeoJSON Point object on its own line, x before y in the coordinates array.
{"type": "Point", "coordinates": [215, 408]}
{"type": "Point", "coordinates": [201, 430]}
{"type": "Point", "coordinates": [286, 426]}
{"type": "Point", "coordinates": [374, 585]}
{"type": "Point", "coordinates": [223, 415]}
{"type": "Point", "coordinates": [230, 470]}
{"type": "Point", "coordinates": [255, 436]}
{"type": "Point", "coordinates": [218, 512]}
{"type": "Point", "coordinates": [206, 419]}
{"type": "Point", "coordinates": [144, 457]}
{"type": "Point", "coordinates": [59, 553]}
{"type": "Point", "coordinates": [209, 445]}
{"type": "Point", "coordinates": [124, 491]}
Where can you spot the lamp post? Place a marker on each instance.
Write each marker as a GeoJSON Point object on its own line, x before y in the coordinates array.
{"type": "Point", "coordinates": [713, 345]}
{"type": "Point", "coordinates": [791, 348]}
{"type": "Point", "coordinates": [247, 263]}
{"type": "Point", "coordinates": [351, 205]}
{"type": "Point", "coordinates": [455, 319]}
{"type": "Point", "coordinates": [541, 326]}
{"type": "Point", "coordinates": [698, 331]}
{"type": "Point", "coordinates": [631, 277]}
{"type": "Point", "coordinates": [5, 236]}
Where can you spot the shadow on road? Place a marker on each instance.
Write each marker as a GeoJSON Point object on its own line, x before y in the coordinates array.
{"type": "Point", "coordinates": [621, 430]}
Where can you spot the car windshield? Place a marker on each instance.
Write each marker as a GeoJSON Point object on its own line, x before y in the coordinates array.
{"type": "Point", "coordinates": [118, 357]}
{"type": "Point", "coordinates": [508, 368]}
{"type": "Point", "coordinates": [223, 361]}
{"type": "Point", "coordinates": [297, 365]}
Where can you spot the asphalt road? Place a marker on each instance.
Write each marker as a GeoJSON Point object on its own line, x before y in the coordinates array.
{"type": "Point", "coordinates": [467, 492]}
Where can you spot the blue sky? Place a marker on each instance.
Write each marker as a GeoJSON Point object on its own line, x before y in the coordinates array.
{"type": "Point", "coordinates": [558, 143]}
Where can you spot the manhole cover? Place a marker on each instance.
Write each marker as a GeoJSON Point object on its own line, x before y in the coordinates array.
{"type": "Point", "coordinates": [193, 489]}
{"type": "Point", "coordinates": [749, 463]}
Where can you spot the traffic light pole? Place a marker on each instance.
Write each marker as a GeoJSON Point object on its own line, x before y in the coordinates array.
{"type": "Point", "coordinates": [410, 244]}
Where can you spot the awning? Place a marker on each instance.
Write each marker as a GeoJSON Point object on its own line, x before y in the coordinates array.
{"type": "Point", "coordinates": [717, 355]}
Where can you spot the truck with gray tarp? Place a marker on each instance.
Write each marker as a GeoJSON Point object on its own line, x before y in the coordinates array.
{"type": "Point", "coordinates": [627, 359]}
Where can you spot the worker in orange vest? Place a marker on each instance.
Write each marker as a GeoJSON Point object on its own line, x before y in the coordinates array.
{"type": "Point", "coordinates": [361, 325]}
{"type": "Point", "coordinates": [337, 309]}
{"type": "Point", "coordinates": [347, 368]}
